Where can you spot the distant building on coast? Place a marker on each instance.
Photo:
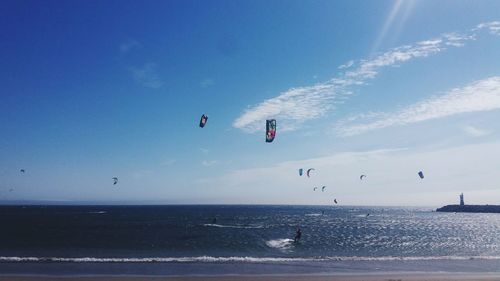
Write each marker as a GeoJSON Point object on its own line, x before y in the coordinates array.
{"type": "Point", "coordinates": [469, 208]}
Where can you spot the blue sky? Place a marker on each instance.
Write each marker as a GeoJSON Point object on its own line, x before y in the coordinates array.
{"type": "Point", "coordinates": [97, 89]}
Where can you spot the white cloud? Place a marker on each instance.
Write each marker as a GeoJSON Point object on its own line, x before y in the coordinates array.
{"type": "Point", "coordinates": [458, 40]}
{"type": "Point", "coordinates": [347, 64]}
{"type": "Point", "coordinates": [298, 105]}
{"type": "Point", "coordinates": [208, 163]}
{"type": "Point", "coordinates": [493, 27]}
{"type": "Point", "coordinates": [482, 95]}
{"type": "Point", "coordinates": [392, 178]}
{"type": "Point", "coordinates": [475, 132]}
{"type": "Point", "coordinates": [368, 69]}
{"type": "Point", "coordinates": [292, 107]}
{"type": "Point", "coordinates": [147, 75]}
{"type": "Point", "coordinates": [128, 46]}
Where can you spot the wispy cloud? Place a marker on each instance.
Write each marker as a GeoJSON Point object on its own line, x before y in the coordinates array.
{"type": "Point", "coordinates": [475, 131]}
{"type": "Point", "coordinates": [347, 64]}
{"type": "Point", "coordinates": [129, 46]}
{"type": "Point", "coordinates": [298, 105]}
{"type": "Point", "coordinates": [204, 150]}
{"type": "Point", "coordinates": [493, 27]}
{"type": "Point", "coordinates": [293, 107]}
{"type": "Point", "coordinates": [208, 163]}
{"type": "Point", "coordinates": [368, 69]}
{"type": "Point", "coordinates": [482, 95]}
{"type": "Point", "coordinates": [147, 75]}
{"type": "Point", "coordinates": [387, 184]}
{"type": "Point", "coordinates": [458, 40]}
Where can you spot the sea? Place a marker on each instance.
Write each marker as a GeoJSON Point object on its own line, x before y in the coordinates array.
{"type": "Point", "coordinates": [180, 240]}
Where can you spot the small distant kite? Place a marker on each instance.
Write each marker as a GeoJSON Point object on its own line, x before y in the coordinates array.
{"type": "Point", "coordinates": [301, 171]}
{"type": "Point", "coordinates": [323, 188]}
{"type": "Point", "coordinates": [362, 177]}
{"type": "Point", "coordinates": [203, 120]}
{"type": "Point", "coordinates": [270, 130]}
{"type": "Point", "coordinates": [309, 172]}
{"type": "Point", "coordinates": [335, 200]}
{"type": "Point", "coordinates": [115, 180]}
{"type": "Point", "coordinates": [421, 174]}
{"type": "Point", "coordinates": [314, 189]}
{"type": "Point", "coordinates": [22, 171]}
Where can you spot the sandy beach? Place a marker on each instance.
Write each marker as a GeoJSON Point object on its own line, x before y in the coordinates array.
{"type": "Point", "coordinates": [377, 277]}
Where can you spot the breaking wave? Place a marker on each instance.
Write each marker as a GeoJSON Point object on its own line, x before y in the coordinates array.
{"type": "Point", "coordinates": [210, 259]}
{"type": "Point", "coordinates": [232, 226]}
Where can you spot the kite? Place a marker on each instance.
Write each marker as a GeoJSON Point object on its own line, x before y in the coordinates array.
{"type": "Point", "coordinates": [309, 171]}
{"type": "Point", "coordinates": [203, 120]}
{"type": "Point", "coordinates": [270, 130]}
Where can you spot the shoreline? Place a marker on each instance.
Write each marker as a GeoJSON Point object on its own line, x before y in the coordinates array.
{"type": "Point", "coordinates": [255, 271]}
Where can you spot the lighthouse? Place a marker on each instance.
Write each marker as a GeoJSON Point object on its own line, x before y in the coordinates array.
{"type": "Point", "coordinates": [462, 199]}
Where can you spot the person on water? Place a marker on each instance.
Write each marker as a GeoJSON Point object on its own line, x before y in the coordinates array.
{"type": "Point", "coordinates": [297, 235]}
{"type": "Point", "coordinates": [214, 220]}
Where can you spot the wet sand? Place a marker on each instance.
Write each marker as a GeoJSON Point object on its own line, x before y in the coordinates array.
{"type": "Point", "coordinates": [350, 277]}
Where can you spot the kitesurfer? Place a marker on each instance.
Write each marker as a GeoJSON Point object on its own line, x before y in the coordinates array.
{"type": "Point", "coordinates": [298, 234]}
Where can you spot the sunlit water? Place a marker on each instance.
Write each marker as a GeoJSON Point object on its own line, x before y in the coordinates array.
{"type": "Point", "coordinates": [243, 234]}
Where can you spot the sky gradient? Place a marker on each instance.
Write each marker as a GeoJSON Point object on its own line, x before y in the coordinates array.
{"type": "Point", "coordinates": [98, 89]}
